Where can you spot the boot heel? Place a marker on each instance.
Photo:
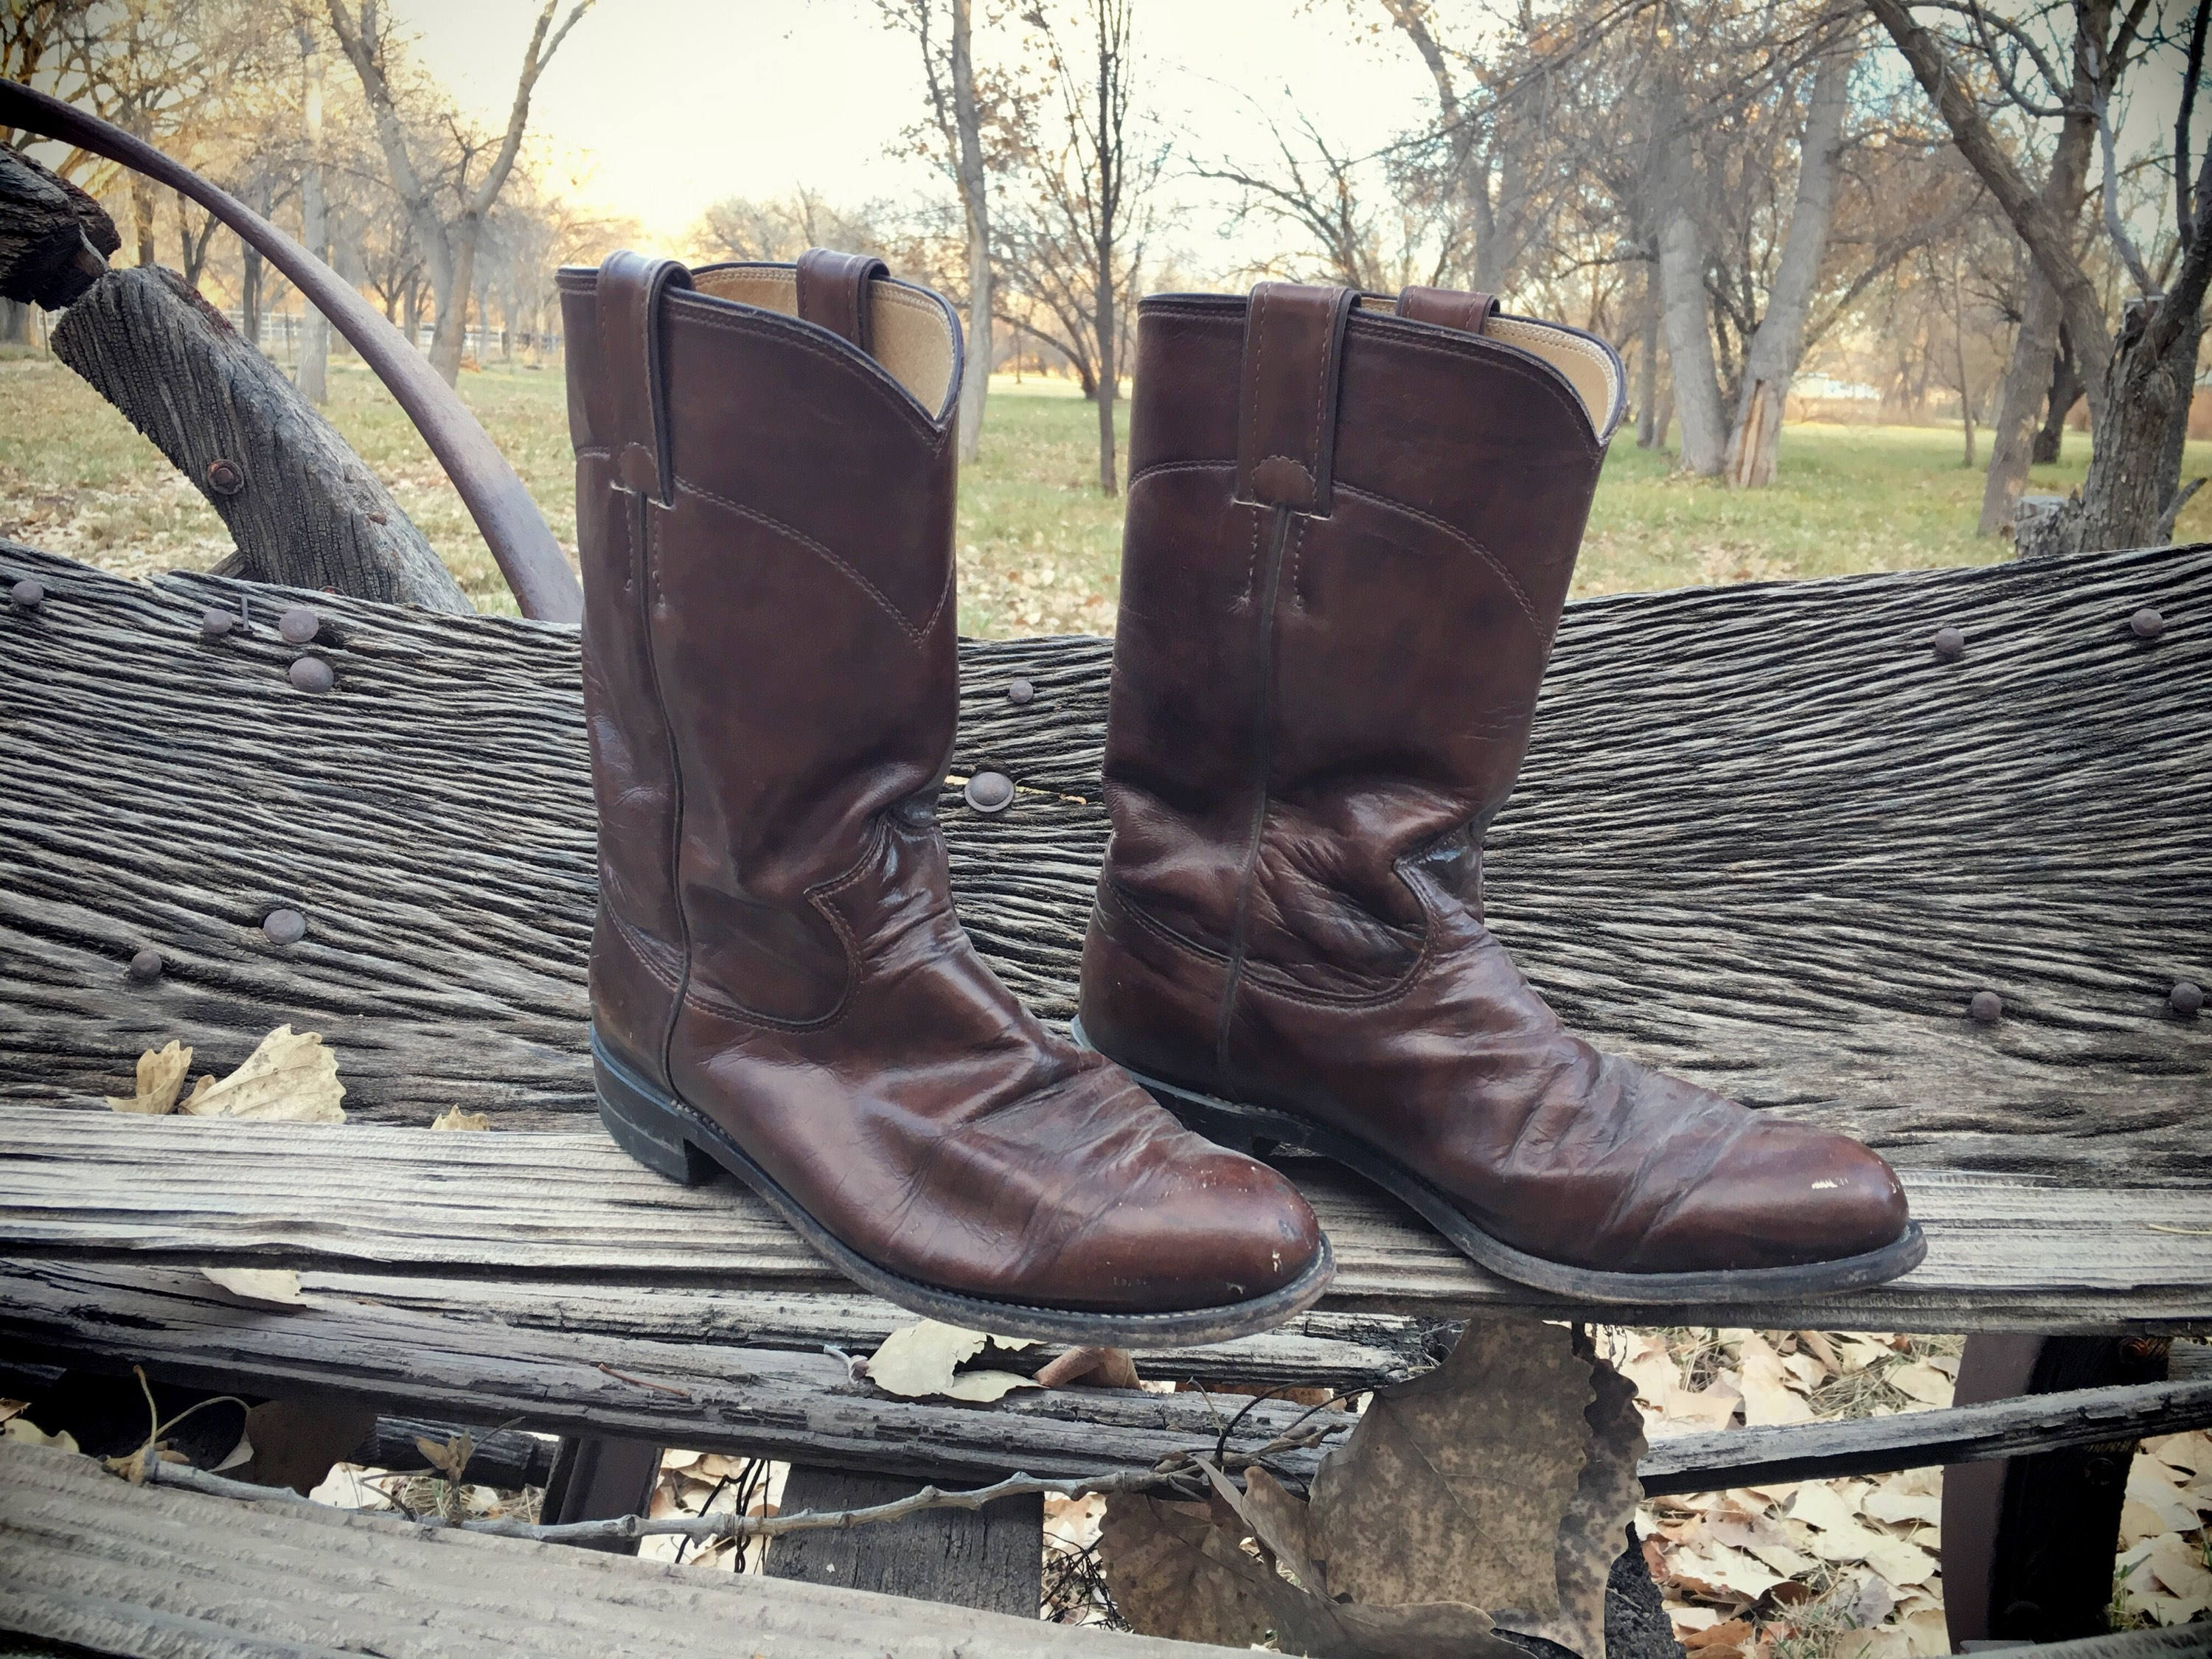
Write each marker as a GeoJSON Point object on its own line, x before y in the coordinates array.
{"type": "Point", "coordinates": [645, 1126]}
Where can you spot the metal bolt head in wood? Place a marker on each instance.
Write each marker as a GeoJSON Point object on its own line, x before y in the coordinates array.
{"type": "Point", "coordinates": [1987, 1007]}
{"type": "Point", "coordinates": [989, 791]}
{"type": "Point", "coordinates": [1949, 644]}
{"type": "Point", "coordinates": [2186, 998]}
{"type": "Point", "coordinates": [311, 674]}
{"type": "Point", "coordinates": [1019, 692]}
{"type": "Point", "coordinates": [225, 476]}
{"type": "Point", "coordinates": [2146, 624]}
{"type": "Point", "coordinates": [284, 926]}
{"type": "Point", "coordinates": [146, 966]}
{"type": "Point", "coordinates": [299, 624]}
{"type": "Point", "coordinates": [215, 623]}
{"type": "Point", "coordinates": [28, 594]}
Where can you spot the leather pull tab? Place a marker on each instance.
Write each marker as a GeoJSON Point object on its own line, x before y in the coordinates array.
{"type": "Point", "coordinates": [634, 369]}
{"type": "Point", "coordinates": [1449, 307]}
{"type": "Point", "coordinates": [1286, 413]}
{"type": "Point", "coordinates": [833, 292]}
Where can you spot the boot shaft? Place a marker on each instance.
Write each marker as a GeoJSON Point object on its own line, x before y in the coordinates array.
{"type": "Point", "coordinates": [1350, 532]}
{"type": "Point", "coordinates": [765, 475]}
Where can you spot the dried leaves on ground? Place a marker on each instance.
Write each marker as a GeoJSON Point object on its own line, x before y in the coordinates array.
{"type": "Point", "coordinates": [290, 1078]}
{"type": "Point", "coordinates": [1503, 1480]}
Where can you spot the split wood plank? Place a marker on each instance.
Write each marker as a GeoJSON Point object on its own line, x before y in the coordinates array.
{"type": "Point", "coordinates": [1764, 837]}
{"type": "Point", "coordinates": [2003, 1254]}
{"type": "Point", "coordinates": [86, 1558]}
{"type": "Point", "coordinates": [991, 1557]}
{"type": "Point", "coordinates": [461, 1365]}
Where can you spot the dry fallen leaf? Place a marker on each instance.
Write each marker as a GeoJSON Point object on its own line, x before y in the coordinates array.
{"type": "Point", "coordinates": [1920, 1381]}
{"type": "Point", "coordinates": [1594, 1528]}
{"type": "Point", "coordinates": [1452, 1486]}
{"type": "Point", "coordinates": [278, 1286]}
{"type": "Point", "coordinates": [1717, 1570]}
{"type": "Point", "coordinates": [1767, 1396]}
{"type": "Point", "coordinates": [1091, 1368]}
{"type": "Point", "coordinates": [1887, 1502]}
{"type": "Point", "coordinates": [454, 1118]}
{"type": "Point", "coordinates": [291, 1078]}
{"type": "Point", "coordinates": [25, 1433]}
{"type": "Point", "coordinates": [1709, 1407]}
{"type": "Point", "coordinates": [160, 1075]}
{"type": "Point", "coordinates": [1176, 1572]}
{"type": "Point", "coordinates": [918, 1361]}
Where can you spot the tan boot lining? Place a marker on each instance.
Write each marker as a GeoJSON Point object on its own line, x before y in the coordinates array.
{"type": "Point", "coordinates": [1586, 366]}
{"type": "Point", "coordinates": [912, 341]}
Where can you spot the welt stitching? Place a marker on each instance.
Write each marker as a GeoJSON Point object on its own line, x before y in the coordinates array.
{"type": "Point", "coordinates": [1321, 397]}
{"type": "Point", "coordinates": [1252, 377]}
{"type": "Point", "coordinates": [1176, 467]}
{"type": "Point", "coordinates": [1252, 567]}
{"type": "Point", "coordinates": [791, 533]}
{"type": "Point", "coordinates": [1489, 558]}
{"type": "Point", "coordinates": [818, 896]}
{"type": "Point", "coordinates": [595, 452]}
{"type": "Point", "coordinates": [639, 947]}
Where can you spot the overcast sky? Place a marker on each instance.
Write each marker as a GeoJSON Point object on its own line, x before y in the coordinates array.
{"type": "Point", "coordinates": [661, 106]}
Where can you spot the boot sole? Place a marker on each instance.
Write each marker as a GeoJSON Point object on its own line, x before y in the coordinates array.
{"type": "Point", "coordinates": [677, 1141]}
{"type": "Point", "coordinates": [1260, 1130]}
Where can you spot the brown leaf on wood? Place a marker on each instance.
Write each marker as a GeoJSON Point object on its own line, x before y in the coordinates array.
{"type": "Point", "coordinates": [1452, 1486]}
{"type": "Point", "coordinates": [1094, 1368]}
{"type": "Point", "coordinates": [1594, 1530]}
{"type": "Point", "coordinates": [1174, 1572]}
{"type": "Point", "coordinates": [291, 1078]}
{"type": "Point", "coordinates": [160, 1074]}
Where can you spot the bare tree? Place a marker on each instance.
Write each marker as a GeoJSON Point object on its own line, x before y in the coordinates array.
{"type": "Point", "coordinates": [1095, 185]}
{"type": "Point", "coordinates": [2125, 499]}
{"type": "Point", "coordinates": [448, 244]}
{"type": "Point", "coordinates": [314, 217]}
{"type": "Point", "coordinates": [949, 73]}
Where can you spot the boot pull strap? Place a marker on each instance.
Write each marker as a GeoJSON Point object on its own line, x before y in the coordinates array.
{"type": "Point", "coordinates": [833, 292]}
{"type": "Point", "coordinates": [1287, 409]}
{"type": "Point", "coordinates": [1448, 307]}
{"type": "Point", "coordinates": [634, 369]}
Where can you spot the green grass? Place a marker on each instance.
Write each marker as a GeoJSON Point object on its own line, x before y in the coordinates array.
{"type": "Point", "coordinates": [1039, 546]}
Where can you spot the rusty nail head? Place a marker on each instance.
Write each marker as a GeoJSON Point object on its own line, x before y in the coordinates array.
{"type": "Point", "coordinates": [28, 594]}
{"type": "Point", "coordinates": [225, 476]}
{"type": "Point", "coordinates": [2146, 624]}
{"type": "Point", "coordinates": [1949, 644]}
{"type": "Point", "coordinates": [1986, 1006]}
{"type": "Point", "coordinates": [1019, 692]}
{"type": "Point", "coordinates": [299, 624]}
{"type": "Point", "coordinates": [2186, 998]}
{"type": "Point", "coordinates": [989, 791]}
{"type": "Point", "coordinates": [284, 926]}
{"type": "Point", "coordinates": [146, 966]}
{"type": "Point", "coordinates": [214, 623]}
{"type": "Point", "coordinates": [311, 674]}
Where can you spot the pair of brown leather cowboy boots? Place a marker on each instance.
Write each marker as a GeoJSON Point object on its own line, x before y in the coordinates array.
{"type": "Point", "coordinates": [1351, 526]}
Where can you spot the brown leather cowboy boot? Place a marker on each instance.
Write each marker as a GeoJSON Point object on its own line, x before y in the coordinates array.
{"type": "Point", "coordinates": [1351, 526]}
{"type": "Point", "coordinates": [764, 511]}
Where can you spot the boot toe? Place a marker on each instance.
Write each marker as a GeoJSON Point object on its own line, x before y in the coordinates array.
{"type": "Point", "coordinates": [1210, 1228]}
{"type": "Point", "coordinates": [1785, 1195]}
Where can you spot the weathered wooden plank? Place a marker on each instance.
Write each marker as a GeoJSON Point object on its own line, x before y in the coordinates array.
{"type": "Point", "coordinates": [88, 1559]}
{"type": "Point", "coordinates": [799, 1407]}
{"type": "Point", "coordinates": [2003, 1254]}
{"type": "Point", "coordinates": [1922, 1439]}
{"type": "Point", "coordinates": [459, 1360]}
{"type": "Point", "coordinates": [1764, 837]}
{"type": "Point", "coordinates": [990, 1558]}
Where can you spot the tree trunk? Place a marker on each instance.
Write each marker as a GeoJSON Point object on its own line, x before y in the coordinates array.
{"type": "Point", "coordinates": [2123, 499]}
{"type": "Point", "coordinates": [974, 199]}
{"type": "Point", "coordinates": [301, 507]}
{"type": "Point", "coordinates": [2012, 445]}
{"type": "Point", "coordinates": [449, 334]}
{"type": "Point", "coordinates": [1682, 295]}
{"type": "Point", "coordinates": [2177, 425]}
{"type": "Point", "coordinates": [1108, 383]}
{"type": "Point", "coordinates": [1647, 364]}
{"type": "Point", "coordinates": [314, 230]}
{"type": "Point", "coordinates": [142, 216]}
{"type": "Point", "coordinates": [2065, 392]}
{"type": "Point", "coordinates": [1770, 362]}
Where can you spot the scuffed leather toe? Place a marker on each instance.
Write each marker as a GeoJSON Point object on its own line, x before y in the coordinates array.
{"type": "Point", "coordinates": [1210, 1228]}
{"type": "Point", "coordinates": [1782, 1194]}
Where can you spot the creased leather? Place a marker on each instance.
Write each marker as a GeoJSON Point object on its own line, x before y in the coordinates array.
{"type": "Point", "coordinates": [1313, 719]}
{"type": "Point", "coordinates": [771, 688]}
